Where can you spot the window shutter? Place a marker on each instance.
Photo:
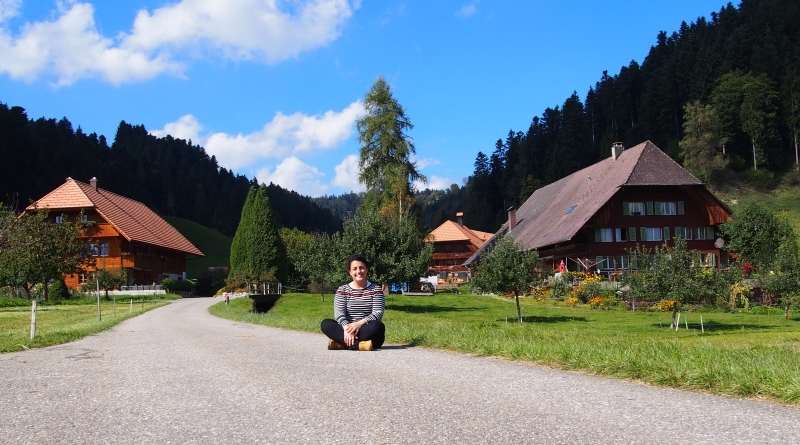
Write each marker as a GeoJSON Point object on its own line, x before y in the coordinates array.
{"type": "Point", "coordinates": [657, 208]}
{"type": "Point", "coordinates": [649, 207]}
{"type": "Point", "coordinates": [710, 232]}
{"type": "Point", "coordinates": [643, 233]}
{"type": "Point", "coordinates": [625, 209]}
{"type": "Point", "coordinates": [631, 233]}
{"type": "Point", "coordinates": [597, 236]}
{"type": "Point", "coordinates": [634, 263]}
{"type": "Point", "coordinates": [679, 233]}
{"type": "Point", "coordinates": [599, 264]}
{"type": "Point", "coordinates": [666, 233]}
{"type": "Point", "coordinates": [680, 208]}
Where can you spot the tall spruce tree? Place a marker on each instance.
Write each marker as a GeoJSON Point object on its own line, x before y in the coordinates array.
{"type": "Point", "coordinates": [257, 250]}
{"type": "Point", "coordinates": [386, 149]}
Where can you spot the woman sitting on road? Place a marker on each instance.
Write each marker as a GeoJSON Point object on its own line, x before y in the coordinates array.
{"type": "Point", "coordinates": [357, 309]}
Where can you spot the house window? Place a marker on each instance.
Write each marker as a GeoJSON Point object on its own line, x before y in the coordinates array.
{"type": "Point", "coordinates": [668, 208]}
{"type": "Point", "coordinates": [622, 234]}
{"type": "Point", "coordinates": [683, 232]}
{"type": "Point", "coordinates": [651, 234]}
{"type": "Point", "coordinates": [59, 218]}
{"type": "Point", "coordinates": [621, 262]}
{"type": "Point", "coordinates": [633, 208]}
{"type": "Point", "coordinates": [603, 235]}
{"type": "Point", "coordinates": [709, 259]}
{"type": "Point", "coordinates": [442, 275]}
{"type": "Point", "coordinates": [703, 232]}
{"type": "Point", "coordinates": [84, 218]}
{"type": "Point", "coordinates": [99, 249]}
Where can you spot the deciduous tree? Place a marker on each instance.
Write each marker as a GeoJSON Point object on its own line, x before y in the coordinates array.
{"type": "Point", "coordinates": [38, 250]}
{"type": "Point", "coordinates": [506, 267]}
{"type": "Point", "coordinates": [754, 232]}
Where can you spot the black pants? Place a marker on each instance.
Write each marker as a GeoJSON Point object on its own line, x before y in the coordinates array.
{"type": "Point", "coordinates": [374, 330]}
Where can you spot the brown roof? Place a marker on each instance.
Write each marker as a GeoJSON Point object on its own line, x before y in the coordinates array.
{"type": "Point", "coordinates": [556, 212]}
{"type": "Point", "coordinates": [452, 231]}
{"type": "Point", "coordinates": [132, 219]}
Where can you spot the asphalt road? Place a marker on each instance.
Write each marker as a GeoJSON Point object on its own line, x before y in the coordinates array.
{"type": "Point", "coordinates": [179, 375]}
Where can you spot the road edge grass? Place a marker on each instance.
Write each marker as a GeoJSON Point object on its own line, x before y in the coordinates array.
{"type": "Point", "coordinates": [760, 370]}
{"type": "Point", "coordinates": [74, 326]}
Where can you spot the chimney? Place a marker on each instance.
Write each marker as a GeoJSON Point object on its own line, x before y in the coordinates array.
{"type": "Point", "coordinates": [93, 182]}
{"type": "Point", "coordinates": [617, 150]}
{"type": "Point", "coordinates": [512, 218]}
{"type": "Point", "coordinates": [460, 217]}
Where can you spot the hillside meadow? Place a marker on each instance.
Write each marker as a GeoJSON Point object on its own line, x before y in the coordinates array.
{"type": "Point", "coordinates": [738, 354]}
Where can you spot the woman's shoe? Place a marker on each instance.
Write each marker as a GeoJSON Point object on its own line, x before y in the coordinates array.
{"type": "Point", "coordinates": [365, 346]}
{"type": "Point", "coordinates": [333, 346]}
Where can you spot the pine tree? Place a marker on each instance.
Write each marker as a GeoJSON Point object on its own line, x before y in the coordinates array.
{"type": "Point", "coordinates": [257, 251]}
{"type": "Point", "coordinates": [385, 155]}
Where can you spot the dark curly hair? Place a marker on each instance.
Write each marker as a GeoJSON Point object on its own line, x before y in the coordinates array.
{"type": "Point", "coordinates": [356, 257]}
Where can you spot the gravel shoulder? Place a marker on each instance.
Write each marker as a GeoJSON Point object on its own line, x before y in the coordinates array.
{"type": "Point", "coordinates": [179, 375]}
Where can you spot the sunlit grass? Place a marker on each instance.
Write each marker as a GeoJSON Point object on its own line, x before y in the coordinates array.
{"type": "Point", "coordinates": [57, 324]}
{"type": "Point", "coordinates": [739, 354]}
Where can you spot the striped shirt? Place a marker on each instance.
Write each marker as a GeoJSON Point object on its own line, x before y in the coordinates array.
{"type": "Point", "coordinates": [351, 305]}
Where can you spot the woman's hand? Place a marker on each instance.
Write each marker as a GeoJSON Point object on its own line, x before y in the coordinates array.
{"type": "Point", "coordinates": [351, 331]}
{"type": "Point", "coordinates": [349, 338]}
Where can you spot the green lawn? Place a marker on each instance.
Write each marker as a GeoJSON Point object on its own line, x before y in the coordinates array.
{"type": "Point", "coordinates": [781, 199]}
{"type": "Point", "coordinates": [215, 246]}
{"type": "Point", "coordinates": [57, 324]}
{"type": "Point", "coordinates": [739, 354]}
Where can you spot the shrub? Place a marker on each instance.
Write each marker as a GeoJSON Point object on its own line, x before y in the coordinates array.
{"type": "Point", "coordinates": [58, 290]}
{"type": "Point", "coordinates": [177, 286]}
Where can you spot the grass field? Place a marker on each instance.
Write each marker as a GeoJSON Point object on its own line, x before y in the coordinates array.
{"type": "Point", "coordinates": [784, 198]}
{"type": "Point", "coordinates": [739, 354]}
{"type": "Point", "coordinates": [215, 246]}
{"type": "Point", "coordinates": [57, 324]}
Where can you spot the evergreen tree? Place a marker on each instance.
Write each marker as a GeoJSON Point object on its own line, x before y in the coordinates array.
{"type": "Point", "coordinates": [385, 165]}
{"type": "Point", "coordinates": [257, 251]}
{"type": "Point", "coordinates": [701, 144]}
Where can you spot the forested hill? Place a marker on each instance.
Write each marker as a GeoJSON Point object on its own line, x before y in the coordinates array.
{"type": "Point", "coordinates": [169, 175]}
{"type": "Point", "coordinates": [743, 63]}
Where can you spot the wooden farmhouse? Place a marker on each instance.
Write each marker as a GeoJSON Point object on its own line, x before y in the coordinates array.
{"type": "Point", "coordinates": [593, 217]}
{"type": "Point", "coordinates": [453, 244]}
{"type": "Point", "coordinates": [126, 233]}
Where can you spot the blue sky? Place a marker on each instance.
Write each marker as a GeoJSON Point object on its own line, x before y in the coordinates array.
{"type": "Point", "coordinates": [272, 88]}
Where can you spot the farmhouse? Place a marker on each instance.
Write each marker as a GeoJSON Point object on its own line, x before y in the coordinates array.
{"type": "Point", "coordinates": [126, 233]}
{"type": "Point", "coordinates": [453, 243]}
{"type": "Point", "coordinates": [591, 218]}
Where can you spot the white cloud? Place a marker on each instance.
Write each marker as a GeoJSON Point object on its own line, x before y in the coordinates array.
{"type": "Point", "coordinates": [426, 162]}
{"type": "Point", "coordinates": [434, 183]}
{"type": "Point", "coordinates": [9, 9]}
{"type": "Point", "coordinates": [241, 29]}
{"type": "Point", "coordinates": [69, 47]}
{"type": "Point", "coordinates": [468, 10]}
{"type": "Point", "coordinates": [347, 175]}
{"type": "Point", "coordinates": [187, 127]}
{"type": "Point", "coordinates": [283, 136]}
{"type": "Point", "coordinates": [294, 174]}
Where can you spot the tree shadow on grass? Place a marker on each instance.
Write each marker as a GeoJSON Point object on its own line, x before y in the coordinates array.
{"type": "Point", "coordinates": [429, 308]}
{"type": "Point", "coordinates": [415, 342]}
{"type": "Point", "coordinates": [546, 319]}
{"type": "Point", "coordinates": [717, 326]}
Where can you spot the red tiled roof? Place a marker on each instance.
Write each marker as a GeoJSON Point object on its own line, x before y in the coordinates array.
{"type": "Point", "coordinates": [132, 219]}
{"type": "Point", "coordinates": [556, 212]}
{"type": "Point", "coordinates": [452, 231]}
